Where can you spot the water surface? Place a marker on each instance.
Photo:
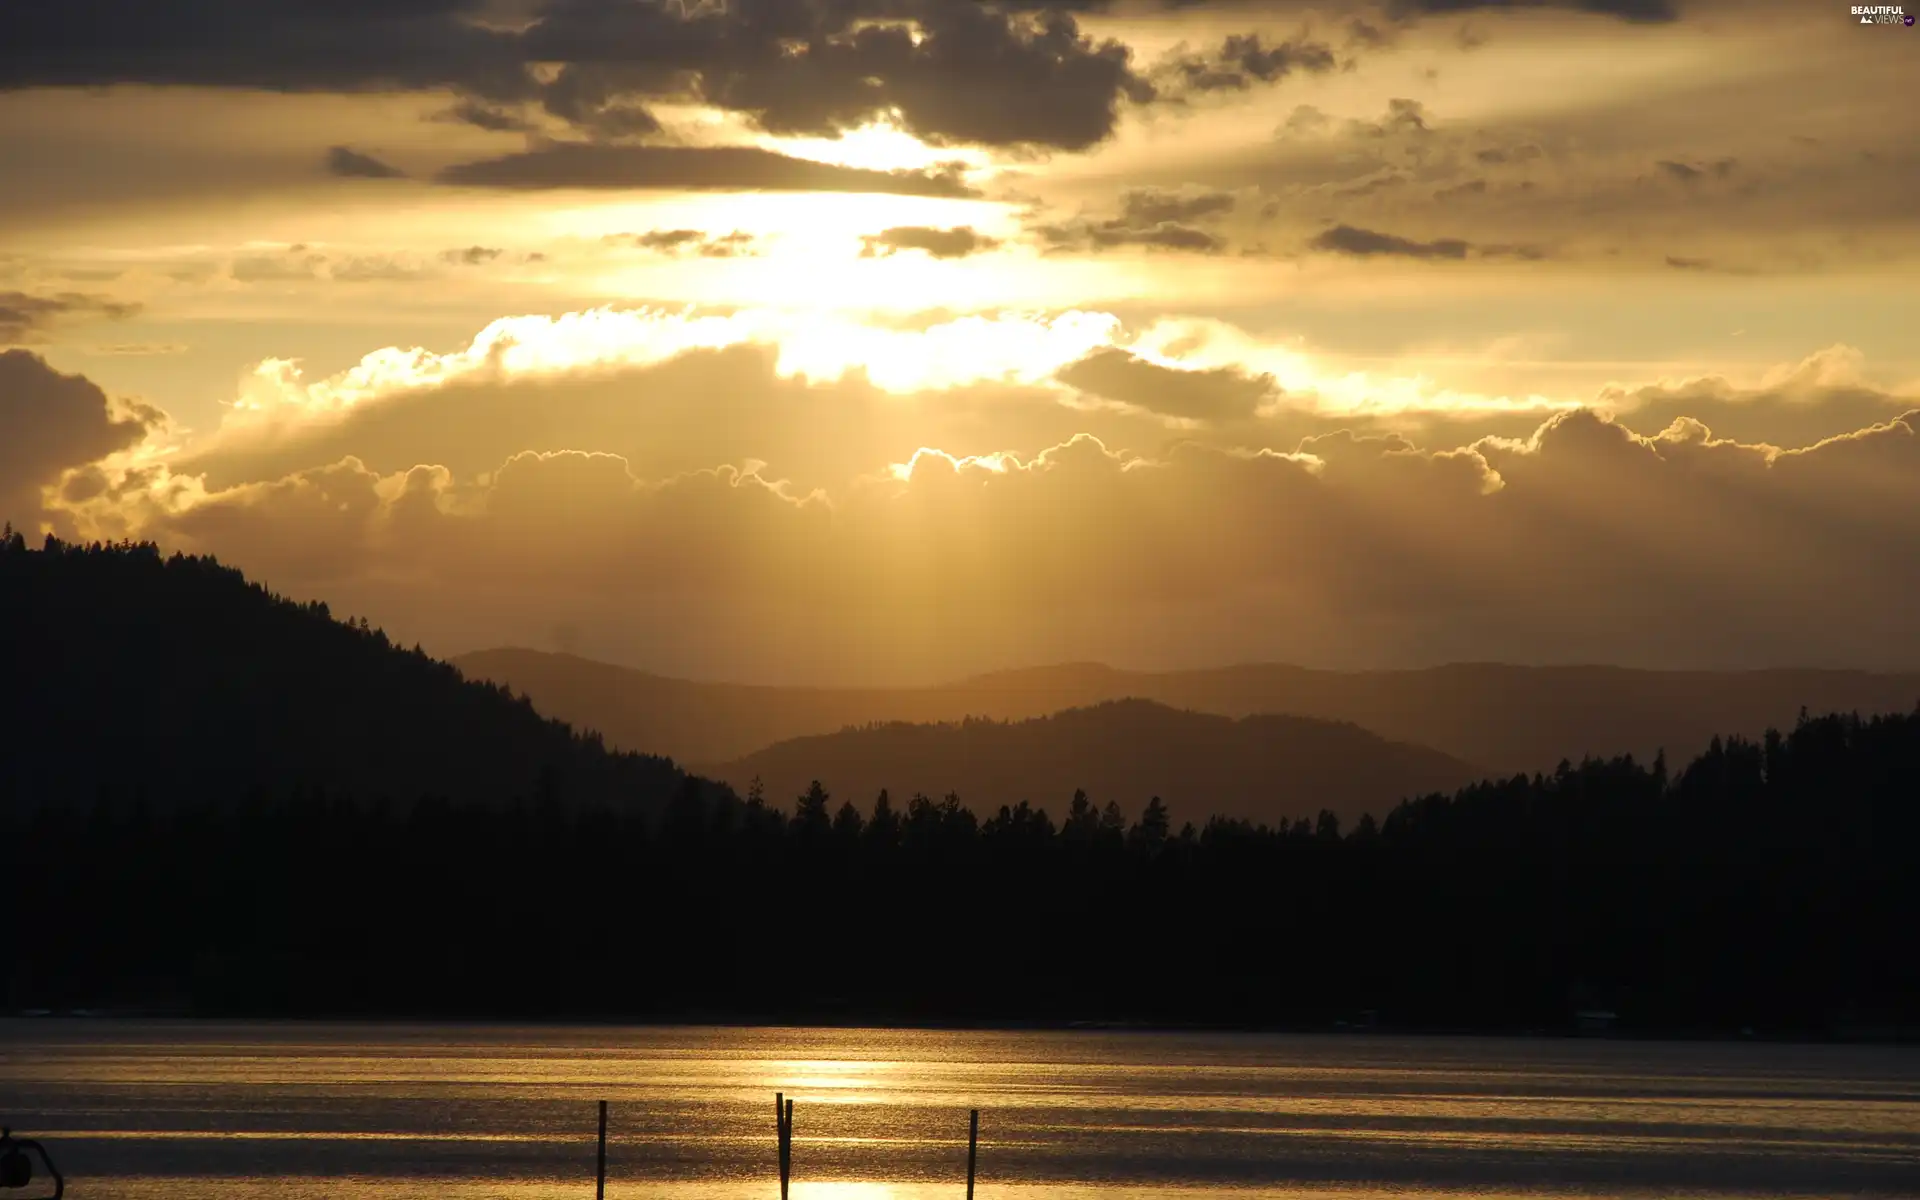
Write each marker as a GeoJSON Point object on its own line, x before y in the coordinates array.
{"type": "Point", "coordinates": [237, 1112]}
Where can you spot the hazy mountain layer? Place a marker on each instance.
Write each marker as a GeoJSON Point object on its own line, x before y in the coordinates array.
{"type": "Point", "coordinates": [1264, 768]}
{"type": "Point", "coordinates": [1506, 718]}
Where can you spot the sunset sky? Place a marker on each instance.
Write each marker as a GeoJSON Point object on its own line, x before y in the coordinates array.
{"type": "Point", "coordinates": [894, 340]}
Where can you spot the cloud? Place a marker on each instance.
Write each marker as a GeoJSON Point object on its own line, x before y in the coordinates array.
{"type": "Point", "coordinates": [1692, 172]}
{"type": "Point", "coordinates": [1595, 183]}
{"type": "Point", "coordinates": [586, 97]}
{"type": "Point", "coordinates": [968, 74]}
{"type": "Point", "coordinates": [53, 423]}
{"type": "Point", "coordinates": [351, 164]}
{"type": "Point", "coordinates": [138, 349]}
{"type": "Point", "coordinates": [952, 71]}
{"type": "Point", "coordinates": [1241, 62]}
{"type": "Point", "coordinates": [1823, 396]}
{"type": "Point", "coordinates": [1304, 120]}
{"type": "Point", "coordinates": [672, 391]}
{"type": "Point", "coordinates": [1403, 116]}
{"type": "Point", "coordinates": [1698, 520]}
{"type": "Point", "coordinates": [1168, 235]}
{"type": "Point", "coordinates": [1583, 541]}
{"type": "Point", "coordinates": [1638, 11]}
{"type": "Point", "coordinates": [730, 168]}
{"type": "Point", "coordinates": [957, 242]}
{"type": "Point", "coordinates": [1500, 155]}
{"type": "Point", "coordinates": [26, 318]}
{"type": "Point", "coordinates": [1366, 243]}
{"type": "Point", "coordinates": [1150, 218]}
{"type": "Point", "coordinates": [829, 396]}
{"type": "Point", "coordinates": [302, 263]}
{"type": "Point", "coordinates": [1144, 207]}
{"type": "Point", "coordinates": [487, 117]}
{"type": "Point", "coordinates": [683, 241]}
{"type": "Point", "coordinates": [472, 256]}
{"type": "Point", "coordinates": [1220, 394]}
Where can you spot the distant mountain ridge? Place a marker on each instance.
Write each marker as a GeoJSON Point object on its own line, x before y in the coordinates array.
{"type": "Point", "coordinates": [1507, 718]}
{"type": "Point", "coordinates": [1266, 769]}
{"type": "Point", "coordinates": [143, 678]}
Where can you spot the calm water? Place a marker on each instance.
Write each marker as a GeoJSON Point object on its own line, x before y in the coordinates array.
{"type": "Point", "coordinates": [151, 1109]}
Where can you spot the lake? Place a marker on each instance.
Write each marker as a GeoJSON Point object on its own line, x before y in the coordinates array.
{"type": "Point", "coordinates": [146, 1109]}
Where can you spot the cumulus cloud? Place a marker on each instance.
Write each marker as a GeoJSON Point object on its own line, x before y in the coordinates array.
{"type": "Point", "coordinates": [1824, 396]}
{"type": "Point", "coordinates": [53, 423]}
{"type": "Point", "coordinates": [26, 318]}
{"type": "Point", "coordinates": [959, 241]}
{"type": "Point", "coordinates": [1583, 541]}
{"type": "Point", "coordinates": [713, 495]}
{"type": "Point", "coordinates": [829, 397]}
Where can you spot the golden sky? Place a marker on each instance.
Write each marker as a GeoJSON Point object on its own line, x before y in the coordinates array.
{"type": "Point", "coordinates": [891, 340]}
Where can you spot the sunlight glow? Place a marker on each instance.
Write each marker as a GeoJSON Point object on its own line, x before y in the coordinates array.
{"type": "Point", "coordinates": [1017, 349]}
{"type": "Point", "coordinates": [875, 146]}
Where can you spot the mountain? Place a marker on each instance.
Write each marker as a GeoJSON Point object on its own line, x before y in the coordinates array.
{"type": "Point", "coordinates": [175, 678]}
{"type": "Point", "coordinates": [1508, 718]}
{"type": "Point", "coordinates": [1266, 769]}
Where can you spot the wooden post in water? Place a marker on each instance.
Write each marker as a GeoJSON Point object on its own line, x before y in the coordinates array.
{"type": "Point", "coordinates": [783, 1127]}
{"type": "Point", "coordinates": [973, 1149]}
{"type": "Point", "coordinates": [600, 1174]}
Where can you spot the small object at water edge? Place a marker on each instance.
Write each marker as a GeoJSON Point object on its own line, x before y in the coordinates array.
{"type": "Point", "coordinates": [16, 1168]}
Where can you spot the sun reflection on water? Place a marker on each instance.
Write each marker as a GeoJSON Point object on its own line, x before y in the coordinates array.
{"type": "Point", "coordinates": [155, 1112]}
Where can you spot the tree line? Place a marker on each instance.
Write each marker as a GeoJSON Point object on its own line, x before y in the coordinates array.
{"type": "Point", "coordinates": [1767, 885]}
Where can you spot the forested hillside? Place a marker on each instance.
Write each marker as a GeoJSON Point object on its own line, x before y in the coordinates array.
{"type": "Point", "coordinates": [174, 680]}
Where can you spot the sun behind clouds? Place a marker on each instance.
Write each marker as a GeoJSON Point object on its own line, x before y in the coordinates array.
{"type": "Point", "coordinates": [1214, 331]}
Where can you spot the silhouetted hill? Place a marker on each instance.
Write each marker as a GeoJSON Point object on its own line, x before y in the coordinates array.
{"type": "Point", "coordinates": [1264, 768]}
{"type": "Point", "coordinates": [1510, 718]}
{"type": "Point", "coordinates": [175, 678]}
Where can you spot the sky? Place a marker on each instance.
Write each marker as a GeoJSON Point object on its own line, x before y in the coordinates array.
{"type": "Point", "coordinates": [889, 341]}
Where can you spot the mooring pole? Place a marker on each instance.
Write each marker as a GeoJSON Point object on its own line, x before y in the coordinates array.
{"type": "Point", "coordinates": [600, 1172]}
{"type": "Point", "coordinates": [783, 1130]}
{"type": "Point", "coordinates": [973, 1149]}
{"type": "Point", "coordinates": [786, 1165]}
